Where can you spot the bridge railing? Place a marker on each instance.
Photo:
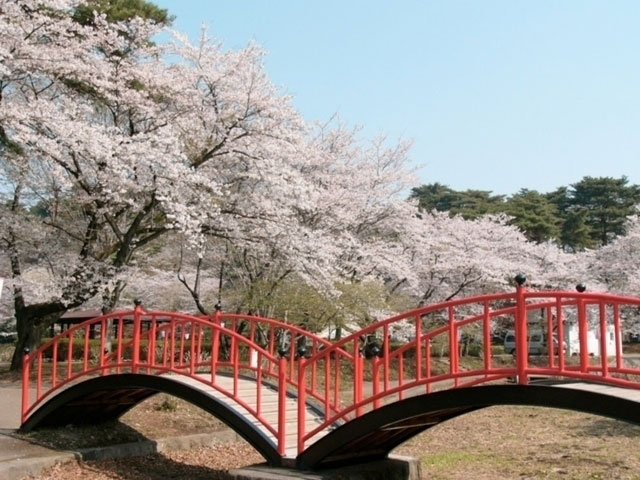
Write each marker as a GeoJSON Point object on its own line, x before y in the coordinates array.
{"type": "Point", "coordinates": [155, 342]}
{"type": "Point", "coordinates": [585, 332]}
{"type": "Point", "coordinates": [418, 349]}
{"type": "Point", "coordinates": [446, 345]}
{"type": "Point", "coordinates": [294, 344]}
{"type": "Point", "coordinates": [449, 345]}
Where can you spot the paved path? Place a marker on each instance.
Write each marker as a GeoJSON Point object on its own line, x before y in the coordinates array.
{"type": "Point", "coordinates": [10, 398]}
{"type": "Point", "coordinates": [19, 457]}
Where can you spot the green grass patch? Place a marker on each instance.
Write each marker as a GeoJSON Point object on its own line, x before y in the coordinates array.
{"type": "Point", "coordinates": [450, 460]}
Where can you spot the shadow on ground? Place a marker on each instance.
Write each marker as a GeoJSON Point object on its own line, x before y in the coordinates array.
{"type": "Point", "coordinates": [74, 437]}
{"type": "Point", "coordinates": [606, 427]}
{"type": "Point", "coordinates": [151, 467]}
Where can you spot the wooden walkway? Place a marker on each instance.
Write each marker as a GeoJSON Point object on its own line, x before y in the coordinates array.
{"type": "Point", "coordinates": [247, 392]}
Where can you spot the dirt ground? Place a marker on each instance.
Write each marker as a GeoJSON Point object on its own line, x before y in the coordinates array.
{"type": "Point", "coordinates": [157, 417]}
{"type": "Point", "coordinates": [198, 464]}
{"type": "Point", "coordinates": [528, 443]}
{"type": "Point", "coordinates": [493, 443]}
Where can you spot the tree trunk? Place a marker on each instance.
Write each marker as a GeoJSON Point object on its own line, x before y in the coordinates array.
{"type": "Point", "coordinates": [26, 339]}
{"type": "Point", "coordinates": [30, 331]}
{"type": "Point", "coordinates": [110, 298]}
{"type": "Point", "coordinates": [109, 301]}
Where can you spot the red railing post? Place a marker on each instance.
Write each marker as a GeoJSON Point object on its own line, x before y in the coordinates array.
{"type": "Point", "coordinates": [103, 343]}
{"type": "Point", "coordinates": [385, 355]}
{"type": "Point", "coordinates": [87, 348]}
{"type": "Point", "coordinates": [25, 385]}
{"type": "Point", "coordinates": [486, 337]}
{"type": "Point", "coordinates": [560, 322]}
{"type": "Point", "coordinates": [135, 358]}
{"type": "Point", "coordinates": [453, 346]}
{"type": "Point", "coordinates": [302, 401]}
{"type": "Point", "coordinates": [551, 347]}
{"type": "Point", "coordinates": [618, 338]}
{"type": "Point", "coordinates": [428, 366]}
{"type": "Point", "coordinates": [418, 355]}
{"type": "Point", "coordinates": [282, 407]}
{"type": "Point", "coordinates": [215, 344]}
{"type": "Point", "coordinates": [357, 378]}
{"type": "Point", "coordinates": [604, 355]}
{"type": "Point", "coordinates": [192, 348]}
{"type": "Point", "coordinates": [235, 363]}
{"type": "Point", "coordinates": [522, 343]}
{"type": "Point", "coordinates": [259, 385]}
{"type": "Point", "coordinates": [39, 376]}
{"type": "Point", "coordinates": [327, 386]}
{"type": "Point", "coordinates": [151, 345]}
{"type": "Point", "coordinates": [70, 354]}
{"type": "Point", "coordinates": [119, 334]}
{"type": "Point", "coordinates": [583, 328]}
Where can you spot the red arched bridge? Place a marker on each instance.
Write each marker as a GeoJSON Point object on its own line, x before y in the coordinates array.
{"type": "Point", "coordinates": [300, 399]}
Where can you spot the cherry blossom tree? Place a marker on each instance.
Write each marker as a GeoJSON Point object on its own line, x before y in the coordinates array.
{"type": "Point", "coordinates": [342, 187]}
{"type": "Point", "coordinates": [436, 257]}
{"type": "Point", "coordinates": [113, 147]}
{"type": "Point", "coordinates": [614, 267]}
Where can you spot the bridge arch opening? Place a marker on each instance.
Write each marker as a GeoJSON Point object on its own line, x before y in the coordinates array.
{"type": "Point", "coordinates": [107, 398]}
{"type": "Point", "coordinates": [373, 435]}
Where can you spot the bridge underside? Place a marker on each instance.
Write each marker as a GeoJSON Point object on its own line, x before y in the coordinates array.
{"type": "Point", "coordinates": [106, 398]}
{"type": "Point", "coordinates": [369, 437]}
{"type": "Point", "coordinates": [373, 435]}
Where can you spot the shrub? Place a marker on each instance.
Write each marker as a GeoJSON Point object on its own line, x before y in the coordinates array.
{"type": "Point", "coordinates": [167, 405]}
{"type": "Point", "coordinates": [497, 350]}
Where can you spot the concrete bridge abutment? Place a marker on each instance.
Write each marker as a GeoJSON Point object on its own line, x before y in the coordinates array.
{"type": "Point", "coordinates": [395, 467]}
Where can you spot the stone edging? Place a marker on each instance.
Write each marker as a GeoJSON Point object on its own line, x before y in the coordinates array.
{"type": "Point", "coordinates": [22, 467]}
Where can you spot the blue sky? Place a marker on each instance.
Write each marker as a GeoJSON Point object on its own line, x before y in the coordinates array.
{"type": "Point", "coordinates": [497, 95]}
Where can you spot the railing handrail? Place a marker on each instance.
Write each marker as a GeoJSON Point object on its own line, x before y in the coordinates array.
{"type": "Point", "coordinates": [176, 318]}
{"type": "Point", "coordinates": [411, 313]}
{"type": "Point", "coordinates": [271, 321]}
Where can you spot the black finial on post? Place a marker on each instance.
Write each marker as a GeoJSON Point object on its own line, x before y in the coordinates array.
{"type": "Point", "coordinates": [283, 351]}
{"type": "Point", "coordinates": [581, 287]}
{"type": "Point", "coordinates": [218, 306]}
{"type": "Point", "coordinates": [137, 302]}
{"type": "Point", "coordinates": [26, 350]}
{"type": "Point", "coordinates": [520, 279]}
{"type": "Point", "coordinates": [301, 351]}
{"type": "Point", "coordinates": [372, 350]}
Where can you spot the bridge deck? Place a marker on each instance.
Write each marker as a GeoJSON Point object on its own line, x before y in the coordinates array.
{"type": "Point", "coordinates": [610, 390]}
{"type": "Point", "coordinates": [247, 393]}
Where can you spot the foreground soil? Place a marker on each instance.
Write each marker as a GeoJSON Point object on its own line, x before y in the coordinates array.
{"type": "Point", "coordinates": [528, 443]}
{"type": "Point", "coordinates": [493, 443]}
{"type": "Point", "coordinates": [157, 417]}
{"type": "Point", "coordinates": [198, 464]}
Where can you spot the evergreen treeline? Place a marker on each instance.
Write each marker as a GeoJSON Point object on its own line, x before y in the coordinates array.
{"type": "Point", "coordinates": [586, 214]}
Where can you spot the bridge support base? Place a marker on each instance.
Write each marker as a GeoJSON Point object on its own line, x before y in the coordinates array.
{"type": "Point", "coordinates": [395, 467]}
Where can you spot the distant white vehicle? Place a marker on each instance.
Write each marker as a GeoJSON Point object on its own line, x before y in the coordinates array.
{"type": "Point", "coordinates": [572, 337]}
{"type": "Point", "coordinates": [571, 343]}
{"type": "Point", "coordinates": [537, 343]}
